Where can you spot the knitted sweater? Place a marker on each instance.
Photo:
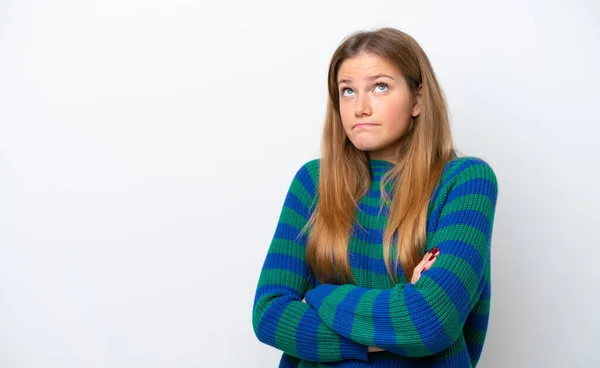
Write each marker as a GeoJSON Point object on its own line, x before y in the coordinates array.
{"type": "Point", "coordinates": [440, 321]}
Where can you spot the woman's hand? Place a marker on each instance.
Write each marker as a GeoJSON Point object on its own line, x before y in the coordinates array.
{"type": "Point", "coordinates": [425, 264]}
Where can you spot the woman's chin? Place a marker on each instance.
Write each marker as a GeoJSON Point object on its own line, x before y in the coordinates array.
{"type": "Point", "coordinates": [366, 147]}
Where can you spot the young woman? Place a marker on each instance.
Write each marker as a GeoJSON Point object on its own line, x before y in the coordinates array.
{"type": "Point", "coordinates": [381, 257]}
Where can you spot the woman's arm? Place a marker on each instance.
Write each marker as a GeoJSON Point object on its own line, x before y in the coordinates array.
{"type": "Point", "coordinates": [280, 318]}
{"type": "Point", "coordinates": [427, 317]}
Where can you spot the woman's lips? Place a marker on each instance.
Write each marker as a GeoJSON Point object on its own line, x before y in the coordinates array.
{"type": "Point", "coordinates": [364, 125]}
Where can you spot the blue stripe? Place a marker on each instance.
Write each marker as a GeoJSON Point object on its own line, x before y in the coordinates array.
{"type": "Point", "coordinates": [306, 180]}
{"type": "Point", "coordinates": [310, 325]}
{"type": "Point", "coordinates": [366, 263]}
{"type": "Point", "coordinates": [478, 321]}
{"type": "Point", "coordinates": [378, 172]}
{"type": "Point", "coordinates": [455, 289]}
{"type": "Point", "coordinates": [322, 292]}
{"type": "Point", "coordinates": [465, 163]}
{"type": "Point", "coordinates": [290, 233]}
{"type": "Point", "coordinates": [288, 361]}
{"type": "Point", "coordinates": [384, 334]}
{"type": "Point", "coordinates": [374, 194]}
{"type": "Point", "coordinates": [451, 165]}
{"type": "Point", "coordinates": [270, 319]}
{"type": "Point", "coordinates": [481, 287]}
{"type": "Point", "coordinates": [285, 262]}
{"type": "Point", "coordinates": [275, 289]}
{"type": "Point", "coordinates": [432, 219]}
{"type": "Point", "coordinates": [373, 210]}
{"type": "Point", "coordinates": [472, 218]}
{"type": "Point", "coordinates": [448, 166]}
{"type": "Point", "coordinates": [294, 203]}
{"type": "Point", "coordinates": [380, 168]}
{"type": "Point", "coordinates": [459, 359]}
{"type": "Point", "coordinates": [455, 192]}
{"type": "Point", "coordinates": [474, 350]}
{"type": "Point", "coordinates": [343, 320]}
{"type": "Point", "coordinates": [425, 321]}
{"type": "Point", "coordinates": [487, 292]}
{"type": "Point", "coordinates": [466, 251]}
{"type": "Point", "coordinates": [266, 331]}
{"type": "Point", "coordinates": [372, 236]}
{"type": "Point", "coordinates": [482, 186]}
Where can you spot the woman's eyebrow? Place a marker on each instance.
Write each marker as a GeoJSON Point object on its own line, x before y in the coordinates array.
{"type": "Point", "coordinates": [370, 78]}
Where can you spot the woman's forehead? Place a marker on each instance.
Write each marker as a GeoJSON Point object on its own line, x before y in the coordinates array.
{"type": "Point", "coordinates": [366, 67]}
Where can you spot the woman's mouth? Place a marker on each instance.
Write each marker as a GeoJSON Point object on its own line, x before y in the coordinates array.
{"type": "Point", "coordinates": [364, 125]}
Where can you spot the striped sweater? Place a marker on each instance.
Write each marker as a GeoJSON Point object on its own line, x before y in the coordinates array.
{"type": "Point", "coordinates": [440, 321]}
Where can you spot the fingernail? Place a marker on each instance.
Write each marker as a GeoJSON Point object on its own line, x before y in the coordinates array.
{"type": "Point", "coordinates": [432, 257]}
{"type": "Point", "coordinates": [421, 271]}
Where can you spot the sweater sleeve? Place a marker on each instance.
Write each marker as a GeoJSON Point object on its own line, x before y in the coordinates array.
{"type": "Point", "coordinates": [426, 317]}
{"type": "Point", "coordinates": [280, 318]}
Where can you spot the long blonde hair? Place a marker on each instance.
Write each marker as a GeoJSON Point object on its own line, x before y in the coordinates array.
{"type": "Point", "coordinates": [344, 174]}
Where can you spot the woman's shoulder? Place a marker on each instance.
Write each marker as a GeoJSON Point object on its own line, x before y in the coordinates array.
{"type": "Point", "coordinates": [307, 175]}
{"type": "Point", "coordinates": [466, 168]}
{"type": "Point", "coordinates": [310, 167]}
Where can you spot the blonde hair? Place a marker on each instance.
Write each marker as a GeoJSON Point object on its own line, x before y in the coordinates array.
{"type": "Point", "coordinates": [344, 174]}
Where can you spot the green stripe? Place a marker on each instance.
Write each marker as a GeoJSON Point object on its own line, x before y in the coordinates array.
{"type": "Point", "coordinates": [473, 334]}
{"type": "Point", "coordinates": [405, 331]}
{"type": "Point", "coordinates": [437, 296]}
{"type": "Point", "coordinates": [286, 326]}
{"type": "Point", "coordinates": [479, 171]}
{"type": "Point", "coordinates": [287, 247]}
{"type": "Point", "coordinates": [374, 280]}
{"type": "Point", "coordinates": [370, 221]}
{"type": "Point", "coordinates": [466, 271]}
{"type": "Point", "coordinates": [282, 277]}
{"type": "Point", "coordinates": [455, 232]}
{"type": "Point", "coordinates": [328, 344]}
{"type": "Point", "coordinates": [313, 168]}
{"type": "Point", "coordinates": [454, 165]}
{"type": "Point", "coordinates": [299, 191]}
{"type": "Point", "coordinates": [365, 327]}
{"type": "Point", "coordinates": [292, 218]}
{"type": "Point", "coordinates": [334, 299]}
{"type": "Point", "coordinates": [466, 202]}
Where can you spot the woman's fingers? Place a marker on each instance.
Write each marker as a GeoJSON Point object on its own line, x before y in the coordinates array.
{"type": "Point", "coordinates": [374, 349]}
{"type": "Point", "coordinates": [429, 259]}
{"type": "Point", "coordinates": [425, 264]}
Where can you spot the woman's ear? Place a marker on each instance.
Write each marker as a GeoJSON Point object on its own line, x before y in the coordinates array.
{"type": "Point", "coordinates": [418, 102]}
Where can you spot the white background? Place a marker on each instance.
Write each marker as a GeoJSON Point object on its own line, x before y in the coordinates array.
{"type": "Point", "coordinates": [146, 148]}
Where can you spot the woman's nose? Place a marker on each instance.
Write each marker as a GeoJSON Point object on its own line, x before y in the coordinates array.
{"type": "Point", "coordinates": [362, 106]}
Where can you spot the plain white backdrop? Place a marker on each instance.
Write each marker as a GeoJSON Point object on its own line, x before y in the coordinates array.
{"type": "Point", "coordinates": [146, 147]}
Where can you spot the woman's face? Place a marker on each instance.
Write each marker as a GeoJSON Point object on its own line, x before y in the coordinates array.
{"type": "Point", "coordinates": [375, 105]}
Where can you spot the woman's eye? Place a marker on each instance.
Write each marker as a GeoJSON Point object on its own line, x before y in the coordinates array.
{"type": "Point", "coordinates": [344, 91]}
{"type": "Point", "coordinates": [381, 87]}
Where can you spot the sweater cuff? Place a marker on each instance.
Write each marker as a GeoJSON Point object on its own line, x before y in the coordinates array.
{"type": "Point", "coordinates": [352, 350]}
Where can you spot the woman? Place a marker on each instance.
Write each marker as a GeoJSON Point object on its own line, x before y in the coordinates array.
{"type": "Point", "coordinates": [381, 257]}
